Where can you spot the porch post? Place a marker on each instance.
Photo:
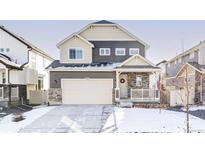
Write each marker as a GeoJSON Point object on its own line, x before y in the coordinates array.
{"type": "Point", "coordinates": [117, 90]}
{"type": "Point", "coordinates": [117, 79]}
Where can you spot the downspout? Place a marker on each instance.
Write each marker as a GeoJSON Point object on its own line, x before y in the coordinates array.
{"type": "Point", "coordinates": [22, 66]}
{"type": "Point", "coordinates": [9, 86]}
{"type": "Point", "coordinates": [29, 49]}
{"type": "Point", "coordinates": [201, 94]}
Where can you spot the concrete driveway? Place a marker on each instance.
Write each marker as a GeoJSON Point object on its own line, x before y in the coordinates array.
{"type": "Point", "coordinates": [71, 118]}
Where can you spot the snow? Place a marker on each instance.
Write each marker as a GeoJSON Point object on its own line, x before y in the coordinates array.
{"type": "Point", "coordinates": [9, 62]}
{"type": "Point", "coordinates": [153, 120]}
{"type": "Point", "coordinates": [8, 126]}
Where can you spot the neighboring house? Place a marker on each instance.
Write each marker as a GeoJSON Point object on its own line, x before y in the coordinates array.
{"type": "Point", "coordinates": [194, 60]}
{"type": "Point", "coordinates": [22, 68]}
{"type": "Point", "coordinates": [162, 74]}
{"type": "Point", "coordinates": [102, 64]}
{"type": "Point", "coordinates": [162, 82]}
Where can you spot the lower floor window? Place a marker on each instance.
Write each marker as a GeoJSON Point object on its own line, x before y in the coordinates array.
{"type": "Point", "coordinates": [14, 92]}
{"type": "Point", "coordinates": [138, 80]}
{"type": "Point", "coordinates": [40, 84]}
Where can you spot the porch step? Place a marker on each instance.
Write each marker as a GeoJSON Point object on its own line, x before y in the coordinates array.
{"type": "Point", "coordinates": [125, 103]}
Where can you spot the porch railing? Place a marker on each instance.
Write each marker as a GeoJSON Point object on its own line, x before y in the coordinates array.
{"type": "Point", "coordinates": [145, 95]}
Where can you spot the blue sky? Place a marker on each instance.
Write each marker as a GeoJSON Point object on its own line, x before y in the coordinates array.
{"type": "Point", "coordinates": [164, 37]}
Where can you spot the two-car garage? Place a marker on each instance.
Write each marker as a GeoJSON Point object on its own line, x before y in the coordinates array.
{"type": "Point", "coordinates": [87, 91]}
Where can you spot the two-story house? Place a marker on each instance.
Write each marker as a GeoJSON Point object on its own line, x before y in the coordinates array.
{"type": "Point", "coordinates": [188, 65]}
{"type": "Point", "coordinates": [102, 63]}
{"type": "Point", "coordinates": [22, 68]}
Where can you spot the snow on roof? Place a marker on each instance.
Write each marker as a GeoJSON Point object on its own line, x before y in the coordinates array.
{"type": "Point", "coordinates": [9, 63]}
{"type": "Point", "coordinates": [57, 64]}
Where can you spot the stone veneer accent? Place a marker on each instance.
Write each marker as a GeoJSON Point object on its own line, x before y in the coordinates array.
{"type": "Point", "coordinates": [55, 95]}
{"type": "Point", "coordinates": [131, 77]}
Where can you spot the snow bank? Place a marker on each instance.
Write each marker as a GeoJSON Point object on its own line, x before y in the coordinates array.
{"type": "Point", "coordinates": [7, 126]}
{"type": "Point", "coordinates": [153, 120]}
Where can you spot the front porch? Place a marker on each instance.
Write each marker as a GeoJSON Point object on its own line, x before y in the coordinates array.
{"type": "Point", "coordinates": [137, 87]}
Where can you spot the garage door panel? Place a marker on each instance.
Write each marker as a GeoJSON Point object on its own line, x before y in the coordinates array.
{"type": "Point", "coordinates": [87, 91]}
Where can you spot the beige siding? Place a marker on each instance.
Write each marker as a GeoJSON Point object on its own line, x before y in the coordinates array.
{"type": "Point", "coordinates": [31, 87]}
{"type": "Point", "coordinates": [75, 42]}
{"type": "Point", "coordinates": [202, 55]}
{"type": "Point", "coordinates": [105, 33]}
{"type": "Point", "coordinates": [136, 61]}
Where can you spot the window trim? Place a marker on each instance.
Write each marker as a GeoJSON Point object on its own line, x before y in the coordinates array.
{"type": "Point", "coordinates": [124, 50]}
{"type": "Point", "coordinates": [136, 80]}
{"type": "Point", "coordinates": [41, 85]}
{"type": "Point", "coordinates": [76, 48]}
{"type": "Point", "coordinates": [134, 49]}
{"type": "Point", "coordinates": [104, 54]}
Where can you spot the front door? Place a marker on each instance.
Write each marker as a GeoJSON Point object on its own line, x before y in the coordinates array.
{"type": "Point", "coordinates": [123, 86]}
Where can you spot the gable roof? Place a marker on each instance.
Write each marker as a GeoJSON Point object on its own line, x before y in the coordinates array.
{"type": "Point", "coordinates": [9, 64]}
{"type": "Point", "coordinates": [73, 35]}
{"type": "Point", "coordinates": [194, 65]}
{"type": "Point", "coordinates": [105, 22]}
{"type": "Point", "coordinates": [25, 42]}
{"type": "Point", "coordinates": [195, 48]}
{"type": "Point", "coordinates": [161, 62]}
{"type": "Point", "coordinates": [139, 56]}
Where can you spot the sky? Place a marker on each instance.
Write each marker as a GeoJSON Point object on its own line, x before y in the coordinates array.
{"type": "Point", "coordinates": [166, 38]}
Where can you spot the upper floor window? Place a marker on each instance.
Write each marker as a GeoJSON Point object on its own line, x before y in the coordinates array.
{"type": "Point", "coordinates": [104, 51]}
{"type": "Point", "coordinates": [120, 51]}
{"type": "Point", "coordinates": [191, 55]}
{"type": "Point", "coordinates": [7, 49]}
{"type": "Point", "coordinates": [134, 51]}
{"type": "Point", "coordinates": [2, 49]}
{"type": "Point", "coordinates": [76, 53]}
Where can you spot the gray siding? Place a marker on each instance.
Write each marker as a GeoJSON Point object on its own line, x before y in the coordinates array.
{"type": "Point", "coordinates": [174, 68]}
{"type": "Point", "coordinates": [55, 77]}
{"type": "Point", "coordinates": [113, 45]}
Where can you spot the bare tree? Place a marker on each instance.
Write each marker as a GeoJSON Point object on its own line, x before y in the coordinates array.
{"type": "Point", "coordinates": [186, 85]}
{"type": "Point", "coordinates": [187, 94]}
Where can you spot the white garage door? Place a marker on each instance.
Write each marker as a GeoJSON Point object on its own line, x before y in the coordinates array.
{"type": "Point", "coordinates": [87, 91]}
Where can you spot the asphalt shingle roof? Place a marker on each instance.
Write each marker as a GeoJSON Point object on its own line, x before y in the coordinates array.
{"type": "Point", "coordinates": [197, 65]}
{"type": "Point", "coordinates": [103, 22]}
{"type": "Point", "coordinates": [56, 64]}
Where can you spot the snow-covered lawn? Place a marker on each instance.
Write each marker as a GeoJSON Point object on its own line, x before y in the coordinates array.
{"type": "Point", "coordinates": [153, 120]}
{"type": "Point", "coordinates": [8, 126]}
